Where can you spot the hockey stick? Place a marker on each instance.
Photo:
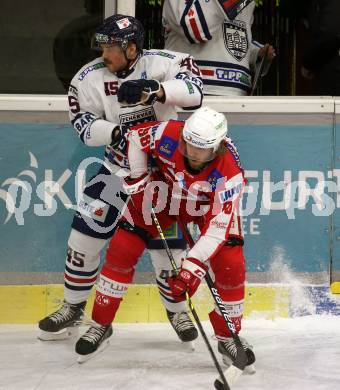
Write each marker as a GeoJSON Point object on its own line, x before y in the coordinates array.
{"type": "Point", "coordinates": [236, 369]}
{"type": "Point", "coordinates": [258, 72]}
{"type": "Point", "coordinates": [223, 382]}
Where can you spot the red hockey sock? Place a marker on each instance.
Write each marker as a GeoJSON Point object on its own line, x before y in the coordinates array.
{"type": "Point", "coordinates": [110, 291]}
{"type": "Point", "coordinates": [220, 326]}
{"type": "Point", "coordinates": [122, 255]}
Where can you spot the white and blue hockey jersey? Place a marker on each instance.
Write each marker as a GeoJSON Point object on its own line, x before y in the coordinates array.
{"type": "Point", "coordinates": [94, 109]}
{"type": "Point", "coordinates": [223, 48]}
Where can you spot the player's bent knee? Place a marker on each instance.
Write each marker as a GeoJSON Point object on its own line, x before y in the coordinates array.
{"type": "Point", "coordinates": [87, 245]}
{"type": "Point", "coordinates": [229, 267]}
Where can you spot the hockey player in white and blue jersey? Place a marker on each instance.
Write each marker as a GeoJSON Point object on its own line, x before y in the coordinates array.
{"type": "Point", "coordinates": [125, 86]}
{"type": "Point", "coordinates": [221, 43]}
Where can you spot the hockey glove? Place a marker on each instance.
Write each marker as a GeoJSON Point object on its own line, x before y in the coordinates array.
{"type": "Point", "coordinates": [188, 278]}
{"type": "Point", "coordinates": [136, 188]}
{"type": "Point", "coordinates": [119, 136]}
{"type": "Point", "coordinates": [139, 92]}
{"type": "Point", "coordinates": [136, 185]}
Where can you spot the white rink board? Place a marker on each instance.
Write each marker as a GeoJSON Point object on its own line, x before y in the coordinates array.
{"type": "Point", "coordinates": [254, 104]}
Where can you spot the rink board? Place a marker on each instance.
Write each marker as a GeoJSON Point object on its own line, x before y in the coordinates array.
{"type": "Point", "coordinates": [51, 155]}
{"type": "Point", "coordinates": [335, 287]}
{"type": "Point", "coordinates": [28, 304]}
{"type": "Point", "coordinates": [279, 142]}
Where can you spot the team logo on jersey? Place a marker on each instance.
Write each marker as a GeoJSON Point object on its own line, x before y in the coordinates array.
{"type": "Point", "coordinates": [212, 179]}
{"type": "Point", "coordinates": [236, 39]}
{"type": "Point", "coordinates": [167, 146]}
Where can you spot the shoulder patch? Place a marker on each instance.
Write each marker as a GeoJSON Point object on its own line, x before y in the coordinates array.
{"type": "Point", "coordinates": [159, 53]}
{"type": "Point", "coordinates": [213, 178]}
{"type": "Point", "coordinates": [89, 69]}
{"type": "Point", "coordinates": [167, 146]}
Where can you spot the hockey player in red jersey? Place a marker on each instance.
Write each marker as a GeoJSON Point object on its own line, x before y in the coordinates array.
{"type": "Point", "coordinates": [200, 179]}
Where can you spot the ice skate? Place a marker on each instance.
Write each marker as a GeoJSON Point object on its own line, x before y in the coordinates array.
{"type": "Point", "coordinates": [63, 323]}
{"type": "Point", "coordinates": [228, 350]}
{"type": "Point", "coordinates": [95, 340]}
{"type": "Point", "coordinates": [184, 328]}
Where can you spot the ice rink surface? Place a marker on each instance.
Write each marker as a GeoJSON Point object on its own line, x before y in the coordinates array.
{"type": "Point", "coordinates": [292, 354]}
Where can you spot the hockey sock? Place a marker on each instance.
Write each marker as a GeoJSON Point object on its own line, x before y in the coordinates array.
{"type": "Point", "coordinates": [235, 310]}
{"type": "Point", "coordinates": [111, 288]}
{"type": "Point", "coordinates": [82, 266]}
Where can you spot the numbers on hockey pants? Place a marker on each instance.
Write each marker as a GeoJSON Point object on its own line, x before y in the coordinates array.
{"type": "Point", "coordinates": [75, 258]}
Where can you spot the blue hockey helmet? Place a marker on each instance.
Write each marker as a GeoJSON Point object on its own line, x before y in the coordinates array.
{"type": "Point", "coordinates": [120, 29]}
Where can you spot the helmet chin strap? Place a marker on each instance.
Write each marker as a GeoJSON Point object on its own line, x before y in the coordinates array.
{"type": "Point", "coordinates": [123, 73]}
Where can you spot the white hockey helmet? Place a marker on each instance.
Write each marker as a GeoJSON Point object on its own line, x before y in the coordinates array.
{"type": "Point", "coordinates": [205, 129]}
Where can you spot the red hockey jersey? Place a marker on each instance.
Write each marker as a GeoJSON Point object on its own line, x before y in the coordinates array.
{"type": "Point", "coordinates": [211, 197]}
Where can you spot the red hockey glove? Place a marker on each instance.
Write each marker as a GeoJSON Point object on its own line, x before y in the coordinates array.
{"type": "Point", "coordinates": [136, 188]}
{"type": "Point", "coordinates": [188, 278]}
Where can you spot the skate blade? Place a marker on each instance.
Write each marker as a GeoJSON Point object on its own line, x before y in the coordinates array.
{"type": "Point", "coordinates": [64, 334]}
{"type": "Point", "coordinates": [249, 370]}
{"type": "Point", "coordinates": [84, 358]}
{"type": "Point", "coordinates": [188, 346]}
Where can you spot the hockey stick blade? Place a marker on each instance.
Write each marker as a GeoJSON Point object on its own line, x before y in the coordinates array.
{"type": "Point", "coordinates": [231, 374]}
